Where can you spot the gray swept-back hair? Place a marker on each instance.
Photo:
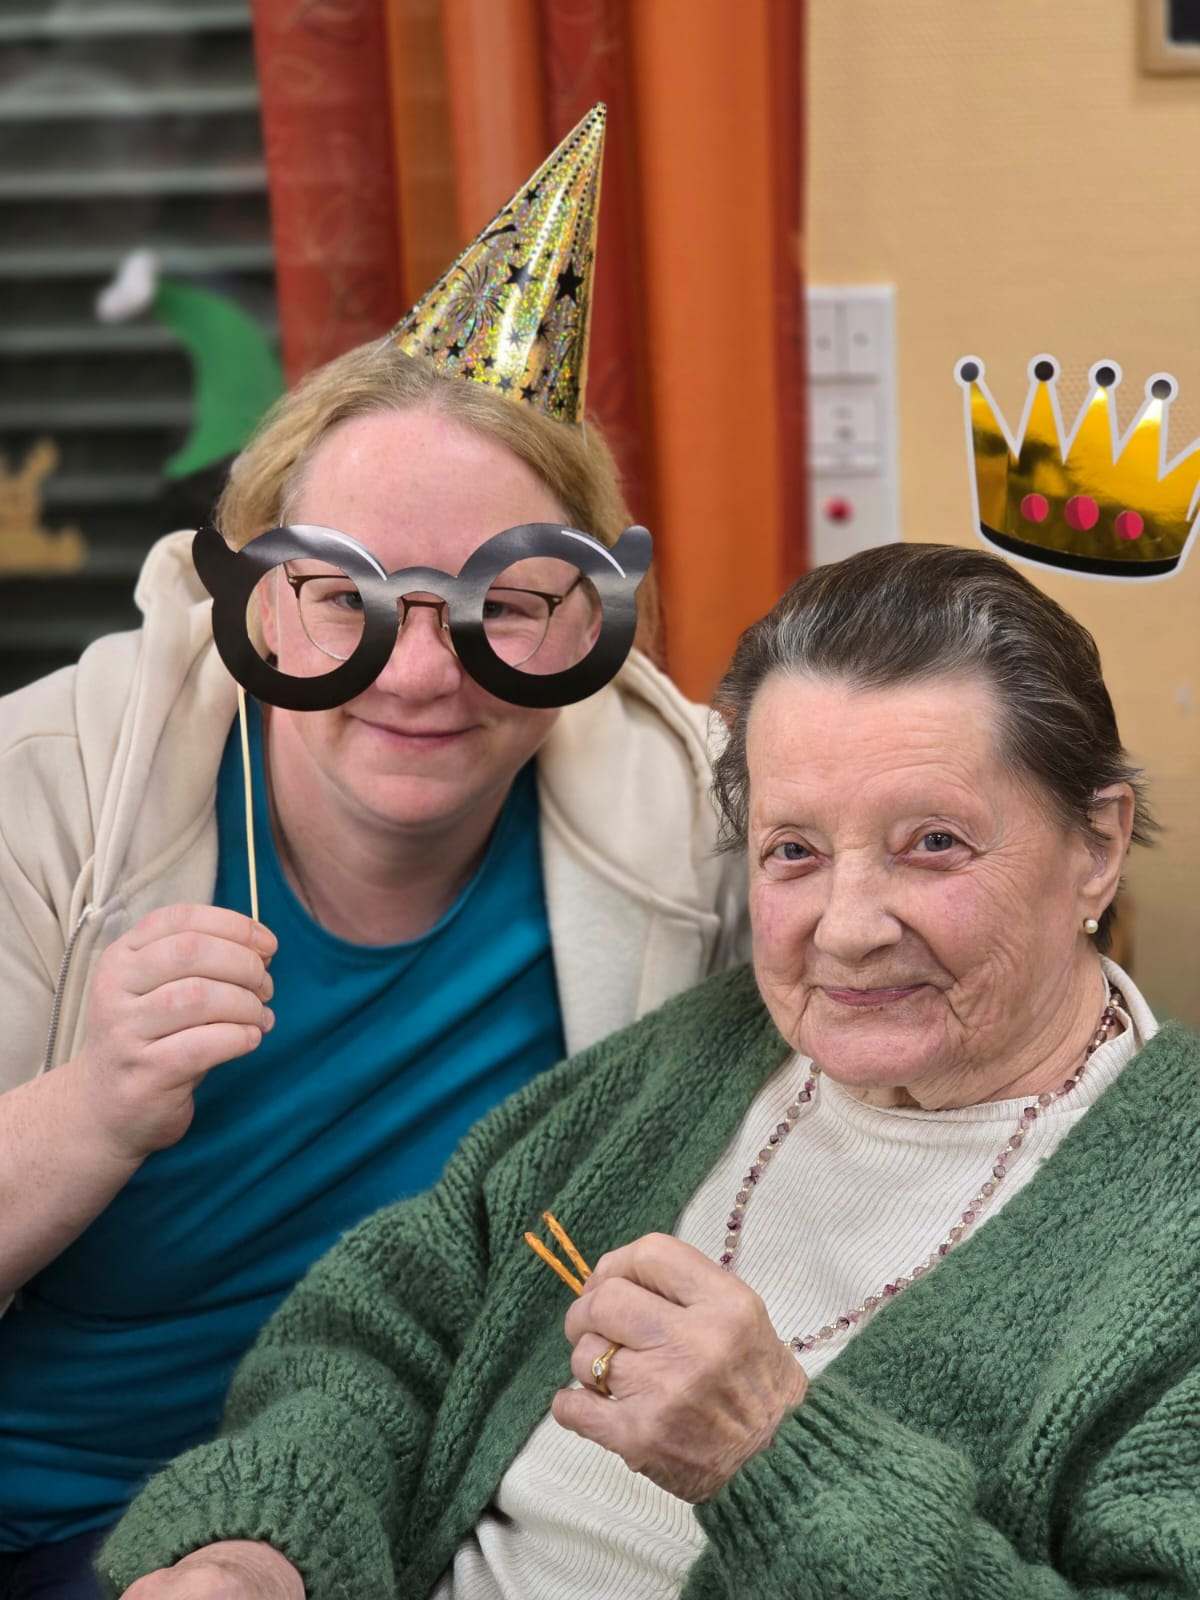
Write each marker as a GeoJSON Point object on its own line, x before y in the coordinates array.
{"type": "Point", "coordinates": [907, 613]}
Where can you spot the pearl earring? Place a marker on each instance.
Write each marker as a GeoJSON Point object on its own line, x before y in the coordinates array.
{"type": "Point", "coordinates": [1090, 925]}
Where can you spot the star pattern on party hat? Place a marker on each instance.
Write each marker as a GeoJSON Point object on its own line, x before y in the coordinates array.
{"type": "Point", "coordinates": [513, 311]}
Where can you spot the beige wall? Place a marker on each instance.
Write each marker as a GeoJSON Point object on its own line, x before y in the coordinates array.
{"type": "Point", "coordinates": [1008, 167]}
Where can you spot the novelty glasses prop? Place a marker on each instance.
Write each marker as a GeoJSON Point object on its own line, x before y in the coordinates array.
{"type": "Point", "coordinates": [540, 615]}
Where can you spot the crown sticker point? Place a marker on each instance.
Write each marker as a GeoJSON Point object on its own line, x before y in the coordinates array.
{"type": "Point", "coordinates": [1087, 498]}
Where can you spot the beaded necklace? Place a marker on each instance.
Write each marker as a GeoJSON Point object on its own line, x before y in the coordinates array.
{"type": "Point", "coordinates": [967, 1220]}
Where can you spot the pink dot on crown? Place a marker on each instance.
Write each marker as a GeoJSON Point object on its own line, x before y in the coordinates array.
{"type": "Point", "coordinates": [1081, 512]}
{"type": "Point", "coordinates": [1129, 524]}
{"type": "Point", "coordinates": [1035, 508]}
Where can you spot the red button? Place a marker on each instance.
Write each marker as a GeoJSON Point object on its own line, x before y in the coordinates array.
{"type": "Point", "coordinates": [838, 509]}
{"type": "Point", "coordinates": [1081, 512]}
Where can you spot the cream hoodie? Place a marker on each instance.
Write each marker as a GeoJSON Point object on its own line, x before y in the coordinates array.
{"type": "Point", "coordinates": [108, 777]}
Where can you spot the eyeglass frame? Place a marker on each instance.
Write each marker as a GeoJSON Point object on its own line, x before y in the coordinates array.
{"type": "Point", "coordinates": [297, 580]}
{"type": "Point", "coordinates": [231, 577]}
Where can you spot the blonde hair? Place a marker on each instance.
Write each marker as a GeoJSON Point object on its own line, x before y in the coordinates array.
{"type": "Point", "coordinates": [573, 462]}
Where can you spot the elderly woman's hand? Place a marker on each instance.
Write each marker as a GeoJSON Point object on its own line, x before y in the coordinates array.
{"type": "Point", "coordinates": [234, 1569]}
{"type": "Point", "coordinates": [701, 1380]}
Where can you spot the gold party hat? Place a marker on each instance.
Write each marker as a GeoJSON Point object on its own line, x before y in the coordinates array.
{"type": "Point", "coordinates": [1089, 498]}
{"type": "Point", "coordinates": [513, 310]}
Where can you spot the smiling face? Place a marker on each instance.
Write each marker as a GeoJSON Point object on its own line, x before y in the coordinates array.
{"type": "Point", "coordinates": [916, 909]}
{"type": "Point", "coordinates": [424, 747]}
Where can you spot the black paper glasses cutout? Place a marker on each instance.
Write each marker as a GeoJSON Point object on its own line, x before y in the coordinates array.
{"type": "Point", "coordinates": [492, 633]}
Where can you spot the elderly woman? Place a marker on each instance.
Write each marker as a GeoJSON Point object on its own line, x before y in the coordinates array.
{"type": "Point", "coordinates": [900, 1230]}
{"type": "Point", "coordinates": [480, 887]}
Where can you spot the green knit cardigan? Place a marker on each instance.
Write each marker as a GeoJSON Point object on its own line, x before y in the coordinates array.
{"type": "Point", "coordinates": [1023, 1422]}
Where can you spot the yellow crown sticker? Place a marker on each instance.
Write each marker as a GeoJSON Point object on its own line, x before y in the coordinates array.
{"type": "Point", "coordinates": [1090, 498]}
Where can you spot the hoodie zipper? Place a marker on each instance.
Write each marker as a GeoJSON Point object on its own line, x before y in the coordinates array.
{"type": "Point", "coordinates": [56, 1008]}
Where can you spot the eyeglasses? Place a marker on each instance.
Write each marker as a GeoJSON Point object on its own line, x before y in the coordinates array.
{"type": "Point", "coordinates": [515, 621]}
{"type": "Point", "coordinates": [477, 606]}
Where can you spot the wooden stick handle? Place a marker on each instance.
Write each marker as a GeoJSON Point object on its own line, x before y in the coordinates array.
{"type": "Point", "coordinates": [251, 861]}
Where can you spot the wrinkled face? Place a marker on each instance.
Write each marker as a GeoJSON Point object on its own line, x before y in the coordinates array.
{"type": "Point", "coordinates": [916, 910]}
{"type": "Point", "coordinates": [424, 746]}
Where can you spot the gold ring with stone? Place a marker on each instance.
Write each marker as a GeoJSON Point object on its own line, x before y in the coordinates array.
{"type": "Point", "coordinates": [600, 1370]}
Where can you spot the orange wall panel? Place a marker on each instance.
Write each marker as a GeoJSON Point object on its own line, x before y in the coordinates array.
{"type": "Point", "coordinates": [493, 67]}
{"type": "Point", "coordinates": [704, 137]}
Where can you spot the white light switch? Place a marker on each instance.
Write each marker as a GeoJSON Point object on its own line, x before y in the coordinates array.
{"type": "Point", "coordinates": [853, 487]}
{"type": "Point", "coordinates": [825, 360]}
{"type": "Point", "coordinates": [845, 421]}
{"type": "Point", "coordinates": [868, 326]}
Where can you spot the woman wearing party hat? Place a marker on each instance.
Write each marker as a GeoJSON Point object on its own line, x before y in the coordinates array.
{"type": "Point", "coordinates": [452, 887]}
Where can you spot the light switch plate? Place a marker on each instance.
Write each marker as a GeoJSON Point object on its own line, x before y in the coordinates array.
{"type": "Point", "coordinates": [852, 441]}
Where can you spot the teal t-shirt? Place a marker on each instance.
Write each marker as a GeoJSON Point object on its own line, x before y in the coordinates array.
{"type": "Point", "coordinates": [380, 1059]}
